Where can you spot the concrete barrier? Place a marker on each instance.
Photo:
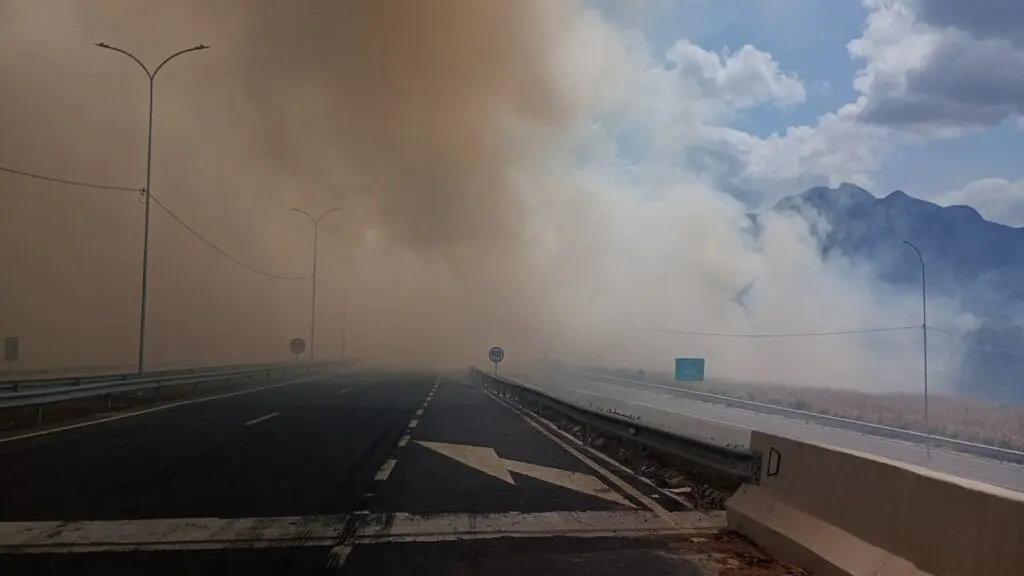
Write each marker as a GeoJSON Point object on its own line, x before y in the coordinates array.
{"type": "Point", "coordinates": [841, 512]}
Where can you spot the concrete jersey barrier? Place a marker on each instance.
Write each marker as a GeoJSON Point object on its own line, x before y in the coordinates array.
{"type": "Point", "coordinates": [840, 512]}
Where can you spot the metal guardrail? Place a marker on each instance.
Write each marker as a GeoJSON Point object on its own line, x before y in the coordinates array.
{"type": "Point", "coordinates": [17, 384]}
{"type": "Point", "coordinates": [41, 397]}
{"type": "Point", "coordinates": [735, 464]}
{"type": "Point", "coordinates": [868, 429]}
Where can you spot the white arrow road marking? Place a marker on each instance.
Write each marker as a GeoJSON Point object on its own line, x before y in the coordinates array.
{"type": "Point", "coordinates": [487, 461]}
{"type": "Point", "coordinates": [566, 479]}
{"type": "Point", "coordinates": [483, 459]}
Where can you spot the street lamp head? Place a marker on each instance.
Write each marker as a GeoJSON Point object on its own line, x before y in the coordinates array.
{"type": "Point", "coordinates": [101, 44]}
{"type": "Point", "coordinates": [200, 47]}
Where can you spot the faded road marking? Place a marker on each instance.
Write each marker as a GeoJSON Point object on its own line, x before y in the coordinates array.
{"type": "Point", "coordinates": [385, 470]}
{"type": "Point", "coordinates": [261, 418]}
{"type": "Point", "coordinates": [322, 531]}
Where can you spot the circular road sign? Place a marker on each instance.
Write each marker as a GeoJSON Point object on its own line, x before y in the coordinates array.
{"type": "Point", "coordinates": [297, 346]}
{"type": "Point", "coordinates": [496, 354]}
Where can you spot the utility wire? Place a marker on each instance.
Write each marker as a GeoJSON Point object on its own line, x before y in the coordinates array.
{"type": "Point", "coordinates": [219, 250]}
{"type": "Point", "coordinates": [69, 182]}
{"type": "Point", "coordinates": [979, 341]}
{"type": "Point", "coordinates": [784, 335]}
{"type": "Point", "coordinates": [161, 205]}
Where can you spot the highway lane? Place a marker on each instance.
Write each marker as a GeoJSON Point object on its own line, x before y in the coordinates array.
{"type": "Point", "coordinates": [214, 458]}
{"type": "Point", "coordinates": [354, 474]}
{"type": "Point", "coordinates": [659, 407]}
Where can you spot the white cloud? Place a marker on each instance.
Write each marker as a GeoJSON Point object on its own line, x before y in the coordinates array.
{"type": "Point", "coordinates": [833, 151]}
{"type": "Point", "coordinates": [669, 97]}
{"type": "Point", "coordinates": [996, 199]}
{"type": "Point", "coordinates": [676, 109]}
{"type": "Point", "coordinates": [738, 80]}
{"type": "Point", "coordinates": [936, 68]}
{"type": "Point", "coordinates": [931, 69]}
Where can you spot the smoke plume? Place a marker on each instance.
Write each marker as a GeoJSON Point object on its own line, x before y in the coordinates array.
{"type": "Point", "coordinates": [464, 141]}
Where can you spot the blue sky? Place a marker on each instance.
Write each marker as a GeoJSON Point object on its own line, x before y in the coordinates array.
{"type": "Point", "coordinates": [935, 111]}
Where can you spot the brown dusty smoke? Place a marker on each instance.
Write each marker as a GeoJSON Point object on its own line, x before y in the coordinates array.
{"type": "Point", "coordinates": [463, 138]}
{"type": "Point", "coordinates": [422, 120]}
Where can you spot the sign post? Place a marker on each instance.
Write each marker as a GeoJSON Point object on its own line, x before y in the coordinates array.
{"type": "Point", "coordinates": [11, 349]}
{"type": "Point", "coordinates": [496, 354]}
{"type": "Point", "coordinates": [297, 346]}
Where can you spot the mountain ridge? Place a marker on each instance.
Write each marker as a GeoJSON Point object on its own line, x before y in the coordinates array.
{"type": "Point", "coordinates": [971, 260]}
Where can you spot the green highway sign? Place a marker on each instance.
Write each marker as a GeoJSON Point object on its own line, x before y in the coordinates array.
{"type": "Point", "coordinates": [689, 369]}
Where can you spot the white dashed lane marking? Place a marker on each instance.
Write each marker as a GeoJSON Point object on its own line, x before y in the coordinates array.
{"type": "Point", "coordinates": [385, 470]}
{"type": "Point", "coordinates": [261, 418]}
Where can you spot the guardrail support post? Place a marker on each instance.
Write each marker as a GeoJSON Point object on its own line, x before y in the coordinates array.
{"type": "Point", "coordinates": [110, 402]}
{"type": "Point", "coordinates": [587, 435]}
{"type": "Point", "coordinates": [638, 457]}
{"type": "Point", "coordinates": [39, 415]}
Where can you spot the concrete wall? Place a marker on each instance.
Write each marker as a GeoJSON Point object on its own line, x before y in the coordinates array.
{"type": "Point", "coordinates": [835, 511]}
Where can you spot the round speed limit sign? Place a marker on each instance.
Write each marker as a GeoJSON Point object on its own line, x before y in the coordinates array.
{"type": "Point", "coordinates": [496, 354]}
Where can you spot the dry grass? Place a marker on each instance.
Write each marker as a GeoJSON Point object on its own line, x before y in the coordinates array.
{"type": "Point", "coordinates": [959, 418]}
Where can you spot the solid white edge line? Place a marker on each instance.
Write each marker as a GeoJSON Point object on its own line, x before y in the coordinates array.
{"type": "Point", "coordinates": [156, 409]}
{"type": "Point", "coordinates": [608, 475]}
{"type": "Point", "coordinates": [261, 418]}
{"type": "Point", "coordinates": [658, 408]}
{"type": "Point", "coordinates": [572, 440]}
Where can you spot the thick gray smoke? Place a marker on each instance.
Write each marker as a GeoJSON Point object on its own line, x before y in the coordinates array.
{"type": "Point", "coordinates": [462, 138]}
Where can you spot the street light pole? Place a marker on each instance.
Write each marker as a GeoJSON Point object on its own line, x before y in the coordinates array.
{"type": "Point", "coordinates": [344, 322]}
{"type": "Point", "coordinates": [316, 241]}
{"type": "Point", "coordinates": [149, 166]}
{"type": "Point", "coordinates": [924, 335]}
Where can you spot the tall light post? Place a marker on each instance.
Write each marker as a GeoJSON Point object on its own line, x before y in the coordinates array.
{"type": "Point", "coordinates": [149, 165]}
{"type": "Point", "coordinates": [316, 236]}
{"type": "Point", "coordinates": [924, 336]}
{"type": "Point", "coordinates": [344, 322]}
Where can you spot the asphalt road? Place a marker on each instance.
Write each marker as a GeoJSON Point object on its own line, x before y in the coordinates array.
{"type": "Point", "coordinates": [659, 407]}
{"type": "Point", "coordinates": [351, 474]}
